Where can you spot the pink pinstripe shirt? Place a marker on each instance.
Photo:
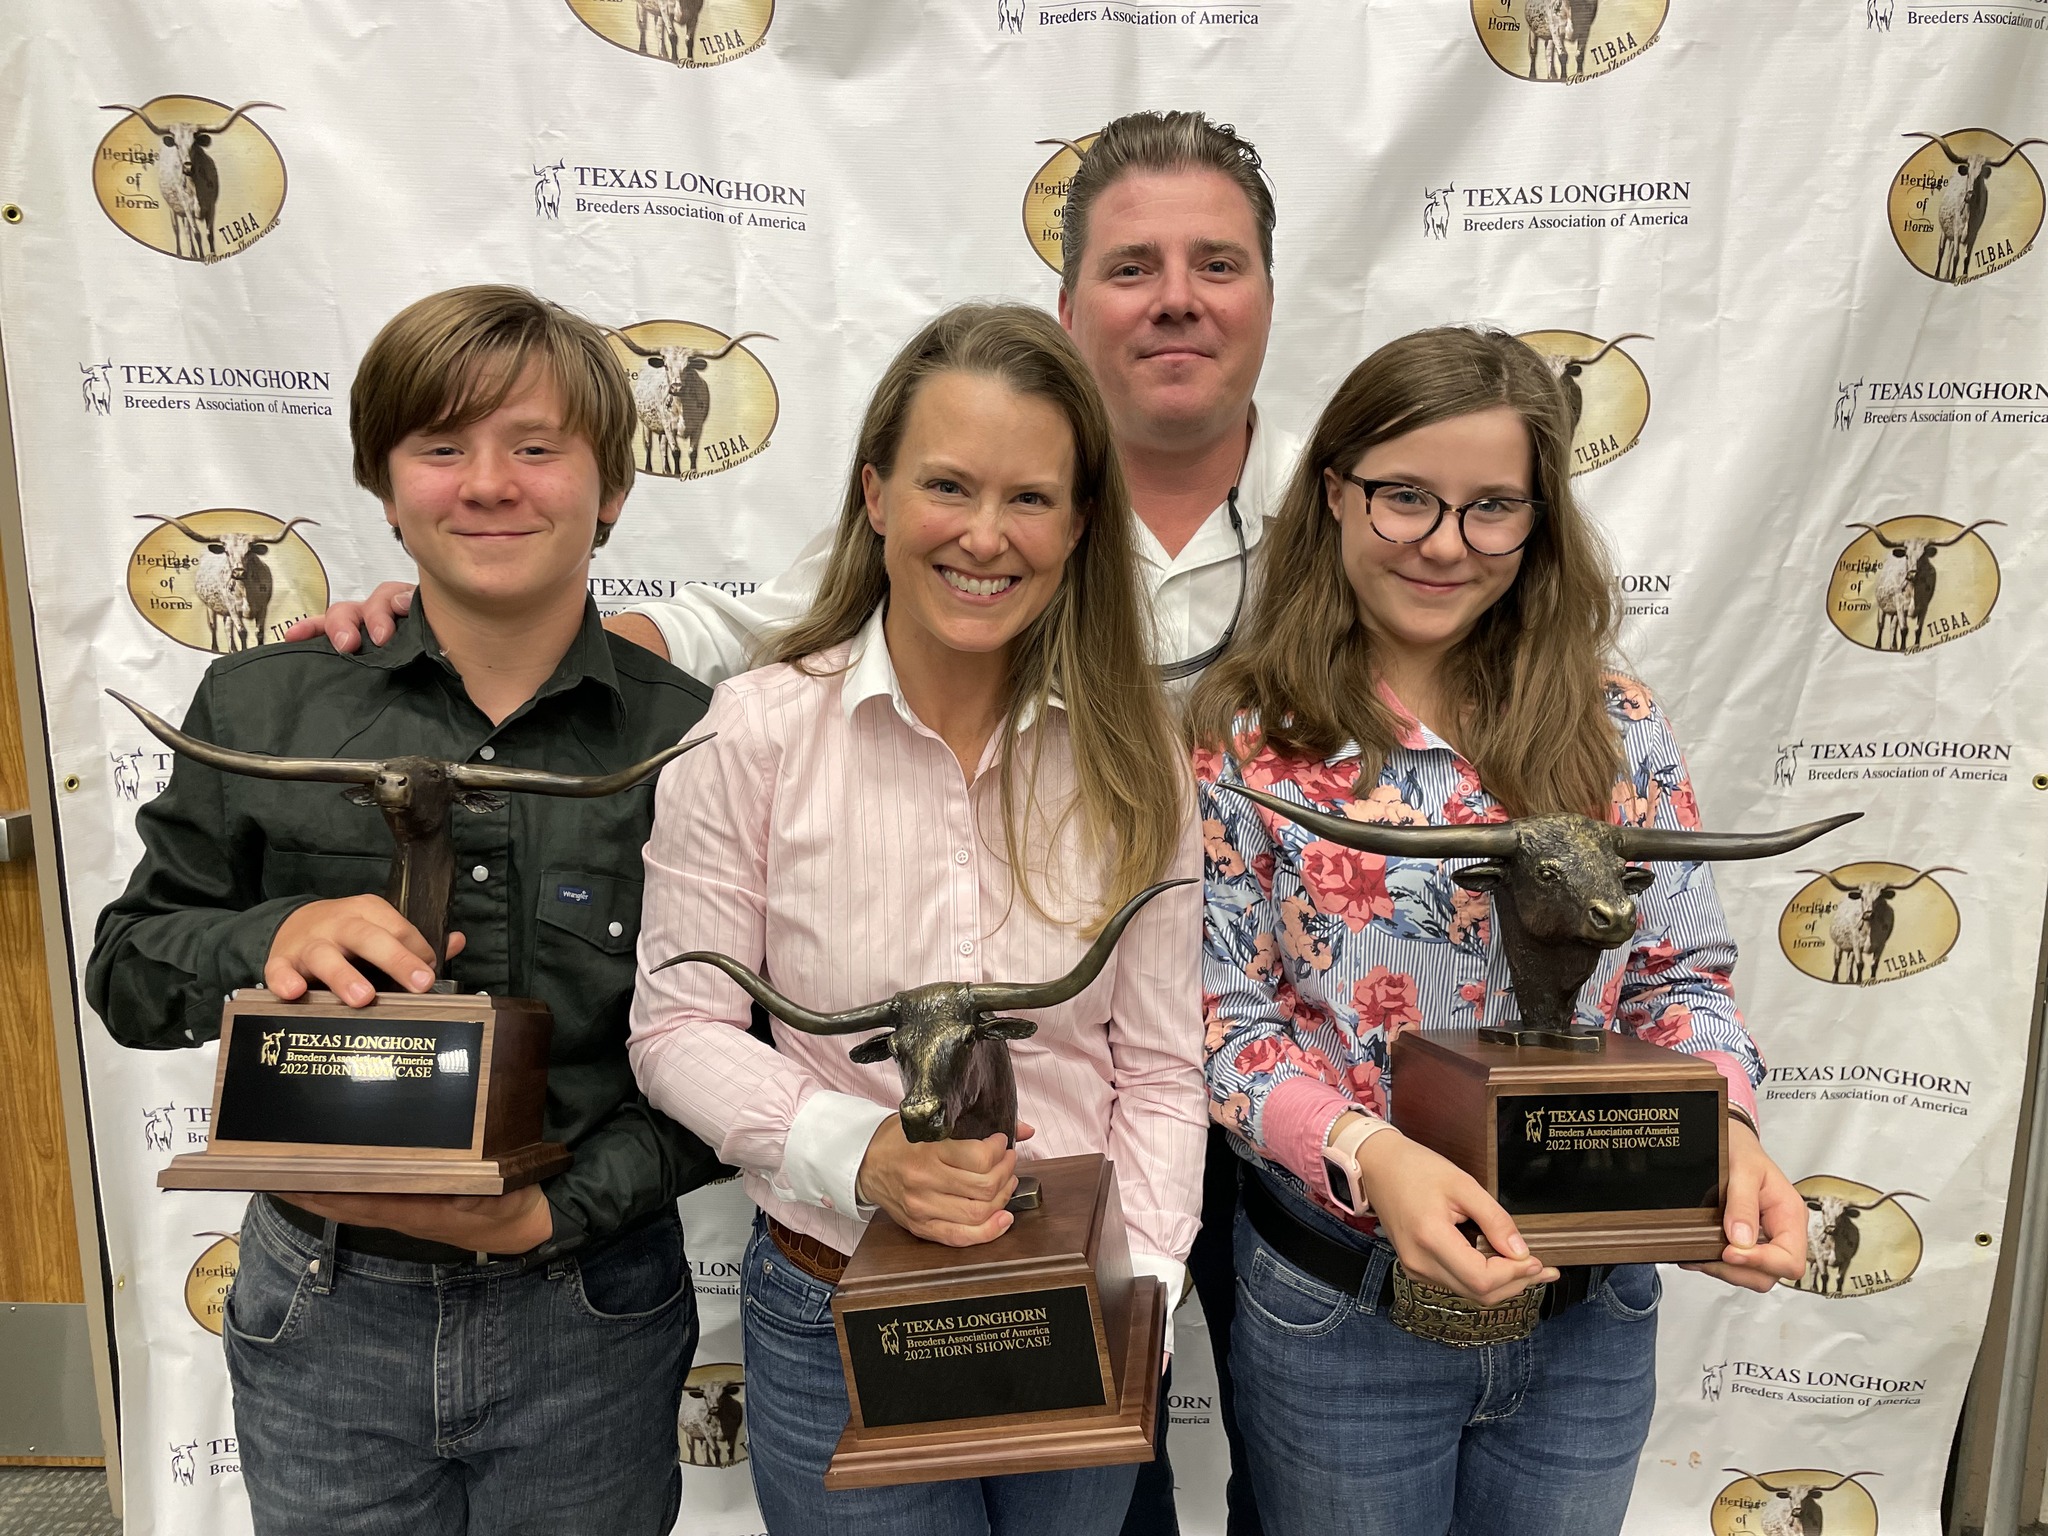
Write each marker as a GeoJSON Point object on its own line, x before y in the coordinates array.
{"type": "Point", "coordinates": [831, 834]}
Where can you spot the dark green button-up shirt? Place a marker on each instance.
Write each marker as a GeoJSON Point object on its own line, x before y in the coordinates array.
{"type": "Point", "coordinates": [547, 889]}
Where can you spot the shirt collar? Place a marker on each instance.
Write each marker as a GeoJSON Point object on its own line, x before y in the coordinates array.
{"type": "Point", "coordinates": [1261, 483]}
{"type": "Point", "coordinates": [589, 656]}
{"type": "Point", "coordinates": [1415, 736]}
{"type": "Point", "coordinates": [871, 674]}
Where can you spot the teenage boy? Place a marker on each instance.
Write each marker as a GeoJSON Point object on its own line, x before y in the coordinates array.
{"type": "Point", "coordinates": [1167, 290]}
{"type": "Point", "coordinates": [421, 1363]}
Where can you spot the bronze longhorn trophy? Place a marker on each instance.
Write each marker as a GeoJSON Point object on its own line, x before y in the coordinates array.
{"type": "Point", "coordinates": [416, 795]}
{"type": "Point", "coordinates": [1563, 890]}
{"type": "Point", "coordinates": [949, 1038]}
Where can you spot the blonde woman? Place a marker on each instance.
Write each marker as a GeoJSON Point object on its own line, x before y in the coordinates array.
{"type": "Point", "coordinates": [959, 764]}
{"type": "Point", "coordinates": [1431, 644]}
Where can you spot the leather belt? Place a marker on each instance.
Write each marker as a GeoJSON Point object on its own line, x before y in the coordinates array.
{"type": "Point", "coordinates": [1427, 1311]}
{"type": "Point", "coordinates": [821, 1262]}
{"type": "Point", "coordinates": [376, 1242]}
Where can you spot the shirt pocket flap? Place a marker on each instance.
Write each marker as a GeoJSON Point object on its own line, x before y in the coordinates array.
{"type": "Point", "coordinates": [327, 876]}
{"type": "Point", "coordinates": [603, 910]}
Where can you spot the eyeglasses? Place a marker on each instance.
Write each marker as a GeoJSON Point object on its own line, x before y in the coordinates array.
{"type": "Point", "coordinates": [1407, 514]}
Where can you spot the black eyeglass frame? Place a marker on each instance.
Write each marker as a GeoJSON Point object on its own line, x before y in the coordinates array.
{"type": "Point", "coordinates": [1536, 509]}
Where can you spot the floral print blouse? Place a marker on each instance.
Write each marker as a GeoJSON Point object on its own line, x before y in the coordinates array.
{"type": "Point", "coordinates": [1314, 956]}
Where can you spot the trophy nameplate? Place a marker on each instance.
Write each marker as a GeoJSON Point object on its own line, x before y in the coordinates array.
{"type": "Point", "coordinates": [1618, 1156]}
{"type": "Point", "coordinates": [415, 1094]}
{"type": "Point", "coordinates": [1037, 1352]}
{"type": "Point", "coordinates": [432, 1093]}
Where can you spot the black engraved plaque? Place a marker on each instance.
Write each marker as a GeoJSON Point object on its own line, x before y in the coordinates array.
{"type": "Point", "coordinates": [343, 1082]}
{"type": "Point", "coordinates": [1564, 1152]}
{"type": "Point", "coordinates": [1016, 1353]}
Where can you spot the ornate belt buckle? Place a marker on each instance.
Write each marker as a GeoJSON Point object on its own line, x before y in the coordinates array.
{"type": "Point", "coordinates": [1445, 1317]}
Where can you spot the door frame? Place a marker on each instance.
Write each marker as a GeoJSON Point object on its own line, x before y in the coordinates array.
{"type": "Point", "coordinates": [57, 966]}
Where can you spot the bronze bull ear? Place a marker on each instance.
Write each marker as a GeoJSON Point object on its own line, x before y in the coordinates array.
{"type": "Point", "coordinates": [1638, 878]}
{"type": "Point", "coordinates": [1006, 1029]}
{"type": "Point", "coordinates": [869, 1052]}
{"type": "Point", "coordinates": [1487, 875]}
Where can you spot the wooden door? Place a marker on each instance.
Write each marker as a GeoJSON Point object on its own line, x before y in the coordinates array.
{"type": "Point", "coordinates": [39, 1265]}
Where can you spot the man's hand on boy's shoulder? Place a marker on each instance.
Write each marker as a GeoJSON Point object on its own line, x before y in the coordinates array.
{"type": "Point", "coordinates": [509, 1223]}
{"type": "Point", "coordinates": [318, 943]}
{"type": "Point", "coordinates": [345, 622]}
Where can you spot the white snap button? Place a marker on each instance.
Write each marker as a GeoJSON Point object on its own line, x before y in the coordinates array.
{"type": "Point", "coordinates": [616, 929]}
{"type": "Point", "coordinates": [487, 753]}
{"type": "Point", "coordinates": [967, 946]}
{"type": "Point", "coordinates": [960, 857]}
{"type": "Point", "coordinates": [479, 874]}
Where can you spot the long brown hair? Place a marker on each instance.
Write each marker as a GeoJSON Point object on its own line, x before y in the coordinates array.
{"type": "Point", "coordinates": [1090, 648]}
{"type": "Point", "coordinates": [1524, 689]}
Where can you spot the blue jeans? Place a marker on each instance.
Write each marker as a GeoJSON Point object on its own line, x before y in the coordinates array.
{"type": "Point", "coordinates": [375, 1397]}
{"type": "Point", "coordinates": [1355, 1425]}
{"type": "Point", "coordinates": [797, 1408]}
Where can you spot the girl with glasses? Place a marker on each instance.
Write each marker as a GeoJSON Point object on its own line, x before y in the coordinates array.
{"type": "Point", "coordinates": [1430, 643]}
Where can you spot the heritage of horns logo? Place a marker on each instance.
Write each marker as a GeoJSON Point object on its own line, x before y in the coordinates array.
{"type": "Point", "coordinates": [1860, 924]}
{"type": "Point", "coordinates": [1909, 583]}
{"type": "Point", "coordinates": [1858, 1241]}
{"type": "Point", "coordinates": [1045, 200]}
{"type": "Point", "coordinates": [190, 176]}
{"type": "Point", "coordinates": [1566, 40]}
{"type": "Point", "coordinates": [1965, 204]}
{"type": "Point", "coordinates": [211, 1276]}
{"type": "Point", "coordinates": [690, 34]}
{"type": "Point", "coordinates": [226, 579]}
{"type": "Point", "coordinates": [1795, 1501]}
{"type": "Point", "coordinates": [711, 1424]}
{"type": "Point", "coordinates": [1609, 396]}
{"type": "Point", "coordinates": [706, 403]}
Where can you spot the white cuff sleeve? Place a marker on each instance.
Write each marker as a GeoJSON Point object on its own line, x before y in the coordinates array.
{"type": "Point", "coordinates": [1173, 1275]}
{"type": "Point", "coordinates": [822, 1153]}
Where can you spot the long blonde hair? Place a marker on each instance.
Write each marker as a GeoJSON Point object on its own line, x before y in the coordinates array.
{"type": "Point", "coordinates": [1090, 648]}
{"type": "Point", "coordinates": [1524, 689]}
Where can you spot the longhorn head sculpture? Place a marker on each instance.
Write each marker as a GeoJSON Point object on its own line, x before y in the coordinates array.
{"type": "Point", "coordinates": [416, 795]}
{"type": "Point", "coordinates": [949, 1038]}
{"type": "Point", "coordinates": [1563, 890]}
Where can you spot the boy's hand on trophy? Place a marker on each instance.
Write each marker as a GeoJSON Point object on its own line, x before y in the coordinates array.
{"type": "Point", "coordinates": [318, 944]}
{"type": "Point", "coordinates": [1420, 1198]}
{"type": "Point", "coordinates": [1765, 1219]}
{"type": "Point", "coordinates": [950, 1192]}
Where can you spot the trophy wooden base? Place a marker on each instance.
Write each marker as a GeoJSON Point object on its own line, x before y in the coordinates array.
{"type": "Point", "coordinates": [1037, 1352]}
{"type": "Point", "coordinates": [1614, 1155]}
{"type": "Point", "coordinates": [417, 1094]}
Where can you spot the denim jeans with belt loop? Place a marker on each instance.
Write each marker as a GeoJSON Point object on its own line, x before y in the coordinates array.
{"type": "Point", "coordinates": [1355, 1425]}
{"type": "Point", "coordinates": [797, 1408]}
{"type": "Point", "coordinates": [519, 1397]}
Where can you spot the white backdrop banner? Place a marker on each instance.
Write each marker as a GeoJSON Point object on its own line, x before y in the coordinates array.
{"type": "Point", "coordinates": [1784, 252]}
